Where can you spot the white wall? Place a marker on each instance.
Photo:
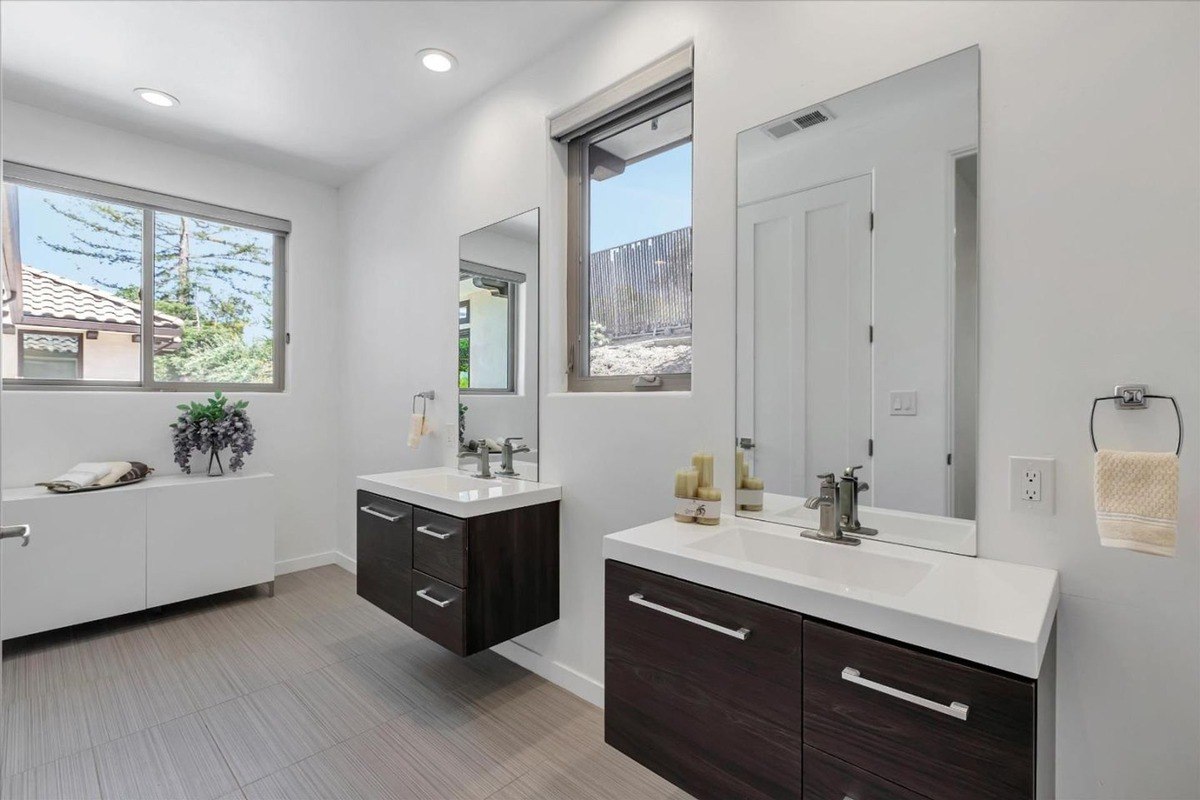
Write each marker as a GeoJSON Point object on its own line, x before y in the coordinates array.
{"type": "Point", "coordinates": [1089, 251]}
{"type": "Point", "coordinates": [47, 432]}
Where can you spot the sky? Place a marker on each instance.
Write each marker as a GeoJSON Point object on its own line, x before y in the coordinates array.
{"type": "Point", "coordinates": [651, 197]}
{"type": "Point", "coordinates": [39, 221]}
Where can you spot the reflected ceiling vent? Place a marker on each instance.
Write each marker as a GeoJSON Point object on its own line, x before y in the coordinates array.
{"type": "Point", "coordinates": [805, 119]}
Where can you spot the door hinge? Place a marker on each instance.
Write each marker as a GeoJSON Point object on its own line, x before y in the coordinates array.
{"type": "Point", "coordinates": [872, 222]}
{"type": "Point", "coordinates": [949, 459]}
{"type": "Point", "coordinates": [871, 334]}
{"type": "Point", "coordinates": [870, 447]}
{"type": "Point", "coordinates": [287, 338]}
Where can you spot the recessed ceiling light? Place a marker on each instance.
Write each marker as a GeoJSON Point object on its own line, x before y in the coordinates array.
{"type": "Point", "coordinates": [437, 60]}
{"type": "Point", "coordinates": [156, 98]}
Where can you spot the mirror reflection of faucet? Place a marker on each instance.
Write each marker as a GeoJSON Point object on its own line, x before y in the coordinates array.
{"type": "Point", "coordinates": [507, 451]}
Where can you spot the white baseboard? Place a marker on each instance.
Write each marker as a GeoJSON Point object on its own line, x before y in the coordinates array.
{"type": "Point", "coordinates": [556, 672]}
{"type": "Point", "coordinates": [345, 562]}
{"type": "Point", "coordinates": [305, 562]}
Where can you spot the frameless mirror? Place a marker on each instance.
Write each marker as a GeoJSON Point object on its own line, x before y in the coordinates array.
{"type": "Point", "coordinates": [857, 321]}
{"type": "Point", "coordinates": [498, 343]}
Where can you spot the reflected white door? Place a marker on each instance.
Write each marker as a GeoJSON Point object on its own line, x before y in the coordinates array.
{"type": "Point", "coordinates": [806, 259]}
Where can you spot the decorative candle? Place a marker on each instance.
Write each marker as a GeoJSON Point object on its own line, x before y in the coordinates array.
{"type": "Point", "coordinates": [712, 494]}
{"type": "Point", "coordinates": [739, 468]}
{"type": "Point", "coordinates": [693, 481]}
{"type": "Point", "coordinates": [752, 483]}
{"type": "Point", "coordinates": [703, 462]}
{"type": "Point", "coordinates": [684, 488]}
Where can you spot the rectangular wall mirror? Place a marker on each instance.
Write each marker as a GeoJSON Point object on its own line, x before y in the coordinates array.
{"type": "Point", "coordinates": [498, 343]}
{"type": "Point", "coordinates": [857, 306]}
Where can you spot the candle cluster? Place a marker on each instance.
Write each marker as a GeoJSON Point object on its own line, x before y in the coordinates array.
{"type": "Point", "coordinates": [696, 482]}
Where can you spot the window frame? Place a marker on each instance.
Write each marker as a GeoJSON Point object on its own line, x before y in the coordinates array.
{"type": "Point", "coordinates": [79, 338]}
{"type": "Point", "coordinates": [516, 282]}
{"type": "Point", "coordinates": [652, 104]}
{"type": "Point", "coordinates": [151, 203]}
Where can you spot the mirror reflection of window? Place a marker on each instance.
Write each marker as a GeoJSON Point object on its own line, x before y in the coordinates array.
{"type": "Point", "coordinates": [487, 325]}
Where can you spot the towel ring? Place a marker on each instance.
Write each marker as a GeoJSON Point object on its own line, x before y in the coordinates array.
{"type": "Point", "coordinates": [425, 396]}
{"type": "Point", "coordinates": [1126, 400]}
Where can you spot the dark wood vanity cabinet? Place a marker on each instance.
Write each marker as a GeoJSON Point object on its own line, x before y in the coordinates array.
{"type": "Point", "coordinates": [467, 584]}
{"type": "Point", "coordinates": [385, 554]}
{"type": "Point", "coordinates": [730, 697]}
{"type": "Point", "coordinates": [701, 685]}
{"type": "Point", "coordinates": [985, 752]}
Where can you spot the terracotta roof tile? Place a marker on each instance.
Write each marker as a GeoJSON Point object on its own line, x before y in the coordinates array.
{"type": "Point", "coordinates": [46, 295]}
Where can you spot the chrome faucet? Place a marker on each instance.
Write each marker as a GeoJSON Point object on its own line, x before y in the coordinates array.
{"type": "Point", "coordinates": [507, 451]}
{"type": "Point", "coordinates": [831, 522]}
{"type": "Point", "coordinates": [849, 488]}
{"type": "Point", "coordinates": [478, 449]}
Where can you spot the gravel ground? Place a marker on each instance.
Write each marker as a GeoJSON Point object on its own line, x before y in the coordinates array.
{"type": "Point", "coordinates": [643, 357]}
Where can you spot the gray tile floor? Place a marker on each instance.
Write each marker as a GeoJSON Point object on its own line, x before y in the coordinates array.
{"type": "Point", "coordinates": [313, 693]}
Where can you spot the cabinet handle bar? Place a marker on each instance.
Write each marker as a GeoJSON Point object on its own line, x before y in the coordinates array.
{"type": "Point", "coordinates": [374, 512]}
{"type": "Point", "coordinates": [428, 531]}
{"type": "Point", "coordinates": [741, 633]}
{"type": "Point", "coordinates": [956, 710]}
{"type": "Point", "coordinates": [424, 595]}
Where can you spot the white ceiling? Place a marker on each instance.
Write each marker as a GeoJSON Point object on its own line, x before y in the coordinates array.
{"type": "Point", "coordinates": [317, 89]}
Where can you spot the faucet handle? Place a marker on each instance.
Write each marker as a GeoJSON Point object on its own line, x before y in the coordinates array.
{"type": "Point", "coordinates": [511, 439]}
{"type": "Point", "coordinates": [849, 472]}
{"type": "Point", "coordinates": [828, 479]}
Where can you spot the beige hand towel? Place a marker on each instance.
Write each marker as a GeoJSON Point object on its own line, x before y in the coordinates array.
{"type": "Point", "coordinates": [115, 470]}
{"type": "Point", "coordinates": [418, 426]}
{"type": "Point", "coordinates": [1137, 500]}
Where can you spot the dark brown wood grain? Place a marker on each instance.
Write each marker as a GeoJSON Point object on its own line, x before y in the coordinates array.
{"type": "Point", "coordinates": [988, 756]}
{"type": "Point", "coordinates": [829, 778]}
{"type": "Point", "coordinates": [442, 624]}
{"type": "Point", "coordinates": [385, 556]}
{"type": "Point", "coordinates": [717, 716]}
{"type": "Point", "coordinates": [441, 558]}
{"type": "Point", "coordinates": [512, 574]}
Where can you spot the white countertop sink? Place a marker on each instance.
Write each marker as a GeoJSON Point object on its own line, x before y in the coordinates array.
{"type": "Point", "coordinates": [449, 491]}
{"type": "Point", "coordinates": [875, 572]}
{"type": "Point", "coordinates": [990, 612]}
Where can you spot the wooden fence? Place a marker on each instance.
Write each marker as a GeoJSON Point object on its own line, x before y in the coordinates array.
{"type": "Point", "coordinates": [643, 287]}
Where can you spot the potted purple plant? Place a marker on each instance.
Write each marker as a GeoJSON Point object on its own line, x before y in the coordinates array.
{"type": "Point", "coordinates": [211, 427]}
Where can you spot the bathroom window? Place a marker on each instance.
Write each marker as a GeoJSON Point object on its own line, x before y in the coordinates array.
{"type": "Point", "coordinates": [79, 257]}
{"type": "Point", "coordinates": [488, 307]}
{"type": "Point", "coordinates": [630, 242]}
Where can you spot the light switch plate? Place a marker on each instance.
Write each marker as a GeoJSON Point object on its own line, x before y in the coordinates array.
{"type": "Point", "coordinates": [1031, 485]}
{"type": "Point", "coordinates": [903, 404]}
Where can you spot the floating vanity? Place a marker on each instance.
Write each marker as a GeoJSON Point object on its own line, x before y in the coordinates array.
{"type": "Point", "coordinates": [747, 661]}
{"type": "Point", "coordinates": [466, 562]}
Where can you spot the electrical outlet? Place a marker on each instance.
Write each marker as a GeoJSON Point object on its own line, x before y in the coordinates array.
{"type": "Point", "coordinates": [1031, 485]}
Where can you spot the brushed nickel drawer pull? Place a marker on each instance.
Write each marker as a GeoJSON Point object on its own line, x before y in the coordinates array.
{"type": "Point", "coordinates": [740, 633]}
{"type": "Point", "coordinates": [374, 512]}
{"type": "Point", "coordinates": [428, 531]}
{"type": "Point", "coordinates": [956, 710]}
{"type": "Point", "coordinates": [424, 595]}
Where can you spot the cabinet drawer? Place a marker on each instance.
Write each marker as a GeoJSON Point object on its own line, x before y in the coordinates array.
{"type": "Point", "coordinates": [385, 554]}
{"type": "Point", "coordinates": [439, 546]}
{"type": "Point", "coordinates": [437, 612]}
{"type": "Point", "coordinates": [717, 714]}
{"type": "Point", "coordinates": [917, 739]}
{"type": "Point", "coordinates": [829, 778]}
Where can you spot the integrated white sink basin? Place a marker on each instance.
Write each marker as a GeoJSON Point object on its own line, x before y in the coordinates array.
{"type": "Point", "coordinates": [839, 564]}
{"type": "Point", "coordinates": [449, 491]}
{"type": "Point", "coordinates": [988, 612]}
